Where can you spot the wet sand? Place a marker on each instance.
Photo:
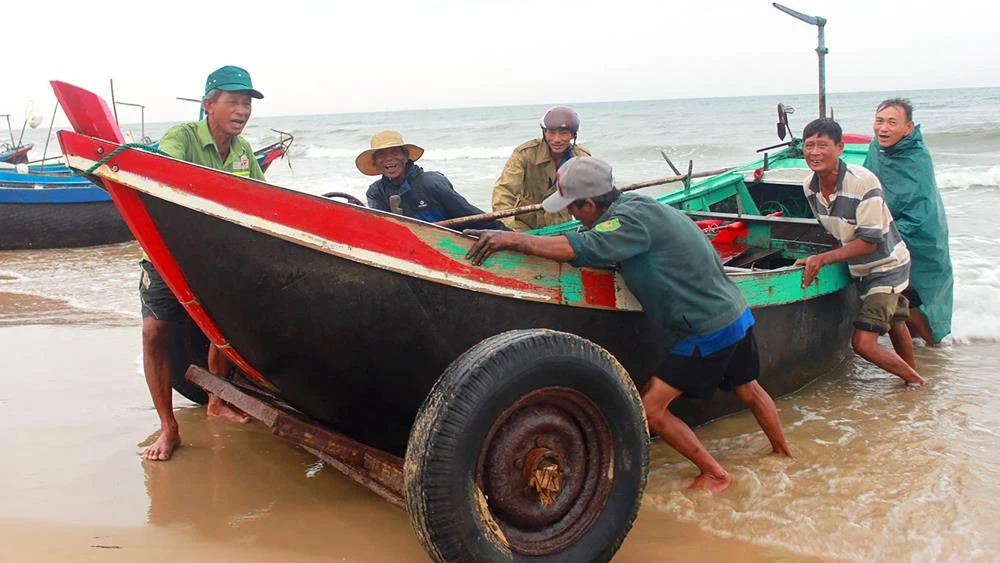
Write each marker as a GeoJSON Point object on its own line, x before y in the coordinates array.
{"type": "Point", "coordinates": [72, 488]}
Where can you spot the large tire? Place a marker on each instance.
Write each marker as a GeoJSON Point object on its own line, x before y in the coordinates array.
{"type": "Point", "coordinates": [188, 345]}
{"type": "Point", "coordinates": [519, 404]}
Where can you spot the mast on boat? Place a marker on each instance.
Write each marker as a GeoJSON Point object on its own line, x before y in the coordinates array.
{"type": "Point", "coordinates": [10, 130]}
{"type": "Point", "coordinates": [821, 49]}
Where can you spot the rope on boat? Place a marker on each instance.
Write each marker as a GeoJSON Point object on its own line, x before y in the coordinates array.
{"type": "Point", "coordinates": [112, 154]}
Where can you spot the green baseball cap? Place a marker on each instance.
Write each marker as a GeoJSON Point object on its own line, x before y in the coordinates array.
{"type": "Point", "coordinates": [232, 79]}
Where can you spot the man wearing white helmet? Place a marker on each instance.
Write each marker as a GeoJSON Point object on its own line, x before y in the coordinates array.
{"type": "Point", "coordinates": [530, 173]}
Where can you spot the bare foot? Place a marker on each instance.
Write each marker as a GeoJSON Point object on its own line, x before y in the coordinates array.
{"type": "Point", "coordinates": [164, 446]}
{"type": "Point", "coordinates": [222, 409]}
{"type": "Point", "coordinates": [784, 450]}
{"type": "Point", "coordinates": [714, 483]}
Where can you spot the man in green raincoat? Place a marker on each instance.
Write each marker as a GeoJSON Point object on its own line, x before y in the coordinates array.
{"type": "Point", "coordinates": [898, 156]}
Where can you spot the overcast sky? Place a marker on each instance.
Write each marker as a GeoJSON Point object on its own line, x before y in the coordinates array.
{"type": "Point", "coordinates": [340, 57]}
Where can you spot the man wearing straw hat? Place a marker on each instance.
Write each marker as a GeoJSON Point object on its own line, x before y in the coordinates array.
{"type": "Point", "coordinates": [214, 142]}
{"type": "Point", "coordinates": [703, 321]}
{"type": "Point", "coordinates": [406, 189]}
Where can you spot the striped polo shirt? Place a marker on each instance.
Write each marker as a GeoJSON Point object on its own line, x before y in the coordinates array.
{"type": "Point", "coordinates": [857, 210]}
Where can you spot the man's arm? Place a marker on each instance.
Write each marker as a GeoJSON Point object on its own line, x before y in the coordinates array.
{"type": "Point", "coordinates": [628, 238]}
{"type": "Point", "coordinates": [556, 247]}
{"type": "Point", "coordinates": [508, 191]}
{"type": "Point", "coordinates": [853, 249]}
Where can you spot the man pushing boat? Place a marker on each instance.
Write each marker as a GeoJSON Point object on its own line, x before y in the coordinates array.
{"type": "Point", "coordinates": [214, 142]}
{"type": "Point", "coordinates": [898, 156]}
{"type": "Point", "coordinates": [849, 204]}
{"type": "Point", "coordinates": [702, 318]}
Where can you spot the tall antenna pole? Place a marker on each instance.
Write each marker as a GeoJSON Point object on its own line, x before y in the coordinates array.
{"type": "Point", "coordinates": [10, 130]}
{"type": "Point", "coordinates": [821, 49]}
{"type": "Point", "coordinates": [114, 105]}
{"type": "Point", "coordinates": [142, 114]}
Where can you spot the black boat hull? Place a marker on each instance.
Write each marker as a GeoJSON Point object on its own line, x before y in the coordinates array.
{"type": "Point", "coordinates": [60, 225]}
{"type": "Point", "coordinates": [358, 347]}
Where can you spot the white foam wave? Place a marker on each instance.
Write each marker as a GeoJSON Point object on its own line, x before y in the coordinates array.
{"type": "Point", "coordinates": [7, 276]}
{"type": "Point", "coordinates": [967, 177]}
{"type": "Point", "coordinates": [977, 298]}
{"type": "Point", "coordinates": [319, 151]}
{"type": "Point", "coordinates": [468, 153]}
{"type": "Point", "coordinates": [431, 154]}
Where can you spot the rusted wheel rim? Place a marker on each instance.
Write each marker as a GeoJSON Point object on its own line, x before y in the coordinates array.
{"type": "Point", "coordinates": [546, 470]}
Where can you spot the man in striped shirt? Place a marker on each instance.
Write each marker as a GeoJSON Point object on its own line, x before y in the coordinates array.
{"type": "Point", "coordinates": [848, 202]}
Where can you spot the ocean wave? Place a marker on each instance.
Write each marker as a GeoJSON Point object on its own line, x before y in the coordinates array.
{"type": "Point", "coordinates": [7, 276]}
{"type": "Point", "coordinates": [968, 177]}
{"type": "Point", "coordinates": [319, 151]}
{"type": "Point", "coordinates": [981, 142]}
{"type": "Point", "coordinates": [976, 134]}
{"type": "Point", "coordinates": [977, 290]}
{"type": "Point", "coordinates": [469, 153]}
{"type": "Point", "coordinates": [677, 153]}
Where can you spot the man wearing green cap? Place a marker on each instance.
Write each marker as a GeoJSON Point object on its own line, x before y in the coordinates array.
{"type": "Point", "coordinates": [214, 142]}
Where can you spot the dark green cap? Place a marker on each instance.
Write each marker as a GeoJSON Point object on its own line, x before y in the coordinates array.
{"type": "Point", "coordinates": [232, 79]}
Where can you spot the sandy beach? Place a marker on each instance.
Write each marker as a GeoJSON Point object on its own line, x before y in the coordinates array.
{"type": "Point", "coordinates": [72, 487]}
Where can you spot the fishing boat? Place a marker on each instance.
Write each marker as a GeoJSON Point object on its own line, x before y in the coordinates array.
{"type": "Point", "coordinates": [16, 152]}
{"type": "Point", "coordinates": [41, 211]}
{"type": "Point", "coordinates": [497, 403]}
{"type": "Point", "coordinates": [54, 207]}
{"type": "Point", "coordinates": [12, 154]}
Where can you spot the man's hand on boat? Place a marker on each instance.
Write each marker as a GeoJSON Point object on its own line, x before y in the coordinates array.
{"type": "Point", "coordinates": [491, 241]}
{"type": "Point", "coordinates": [812, 265]}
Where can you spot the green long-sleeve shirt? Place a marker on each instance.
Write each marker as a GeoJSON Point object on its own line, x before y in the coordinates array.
{"type": "Point", "coordinates": [667, 262]}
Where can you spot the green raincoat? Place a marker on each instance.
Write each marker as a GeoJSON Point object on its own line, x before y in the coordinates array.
{"type": "Point", "coordinates": [907, 175]}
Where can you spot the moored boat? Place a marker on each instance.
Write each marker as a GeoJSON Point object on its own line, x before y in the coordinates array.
{"type": "Point", "coordinates": [40, 211]}
{"type": "Point", "coordinates": [15, 154]}
{"type": "Point", "coordinates": [51, 206]}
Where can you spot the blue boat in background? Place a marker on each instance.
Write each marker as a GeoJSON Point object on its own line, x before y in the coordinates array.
{"type": "Point", "coordinates": [49, 206]}
{"type": "Point", "coordinates": [11, 154]}
{"type": "Point", "coordinates": [15, 152]}
{"type": "Point", "coordinates": [41, 211]}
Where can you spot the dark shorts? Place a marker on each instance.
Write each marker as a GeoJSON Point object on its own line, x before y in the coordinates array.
{"type": "Point", "coordinates": [699, 376]}
{"type": "Point", "coordinates": [912, 296]}
{"type": "Point", "coordinates": [879, 311]}
{"type": "Point", "coordinates": [157, 300]}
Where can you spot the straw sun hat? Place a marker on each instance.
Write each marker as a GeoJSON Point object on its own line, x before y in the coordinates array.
{"type": "Point", "coordinates": [384, 140]}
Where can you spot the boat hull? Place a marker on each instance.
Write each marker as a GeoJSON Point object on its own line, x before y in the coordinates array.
{"type": "Point", "coordinates": [797, 342]}
{"type": "Point", "coordinates": [60, 225]}
{"type": "Point", "coordinates": [358, 347]}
